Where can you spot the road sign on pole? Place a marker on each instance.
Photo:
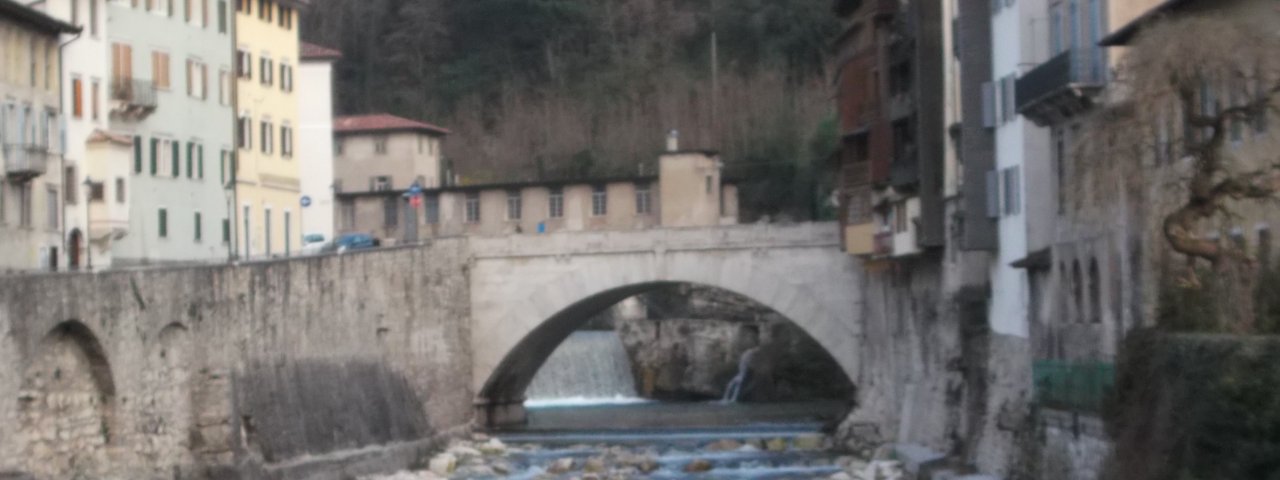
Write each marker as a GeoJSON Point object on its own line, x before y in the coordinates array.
{"type": "Point", "coordinates": [306, 201]}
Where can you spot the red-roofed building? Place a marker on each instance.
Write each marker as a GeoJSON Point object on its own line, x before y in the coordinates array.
{"type": "Point", "coordinates": [380, 152]}
{"type": "Point", "coordinates": [311, 51]}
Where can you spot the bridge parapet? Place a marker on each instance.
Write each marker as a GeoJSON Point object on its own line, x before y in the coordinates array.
{"type": "Point", "coordinates": [735, 237]}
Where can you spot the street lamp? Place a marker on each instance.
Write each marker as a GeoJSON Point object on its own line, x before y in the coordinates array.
{"type": "Point", "coordinates": [88, 222]}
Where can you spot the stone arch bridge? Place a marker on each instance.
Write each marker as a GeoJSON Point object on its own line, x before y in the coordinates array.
{"type": "Point", "coordinates": [284, 369]}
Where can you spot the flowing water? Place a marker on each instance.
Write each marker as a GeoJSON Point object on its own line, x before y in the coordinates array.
{"type": "Point", "coordinates": [590, 367]}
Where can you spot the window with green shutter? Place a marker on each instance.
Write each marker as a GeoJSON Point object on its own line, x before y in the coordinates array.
{"type": "Point", "coordinates": [200, 161]}
{"type": "Point", "coordinates": [222, 168]}
{"type": "Point", "coordinates": [164, 223]}
{"type": "Point", "coordinates": [191, 153]}
{"type": "Point", "coordinates": [177, 159]}
{"type": "Point", "coordinates": [198, 227]}
{"type": "Point", "coordinates": [137, 154]}
{"type": "Point", "coordinates": [155, 155]}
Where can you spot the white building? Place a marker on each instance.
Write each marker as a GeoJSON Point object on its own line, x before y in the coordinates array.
{"type": "Point", "coordinates": [315, 115]}
{"type": "Point", "coordinates": [95, 177]}
{"type": "Point", "coordinates": [1016, 46]}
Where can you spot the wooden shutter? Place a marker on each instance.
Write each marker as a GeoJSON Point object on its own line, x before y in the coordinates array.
{"type": "Point", "coordinates": [77, 94]}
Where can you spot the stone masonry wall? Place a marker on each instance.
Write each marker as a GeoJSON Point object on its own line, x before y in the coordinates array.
{"type": "Point", "coordinates": [256, 371]}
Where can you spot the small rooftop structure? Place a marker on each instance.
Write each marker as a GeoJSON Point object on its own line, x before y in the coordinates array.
{"type": "Point", "coordinates": [311, 51]}
{"type": "Point", "coordinates": [383, 122]}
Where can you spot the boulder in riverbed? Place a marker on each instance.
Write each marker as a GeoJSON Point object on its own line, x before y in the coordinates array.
{"type": "Point", "coordinates": [698, 466]}
{"type": "Point", "coordinates": [560, 466]}
{"type": "Point", "coordinates": [443, 464]}
{"type": "Point", "coordinates": [725, 445]}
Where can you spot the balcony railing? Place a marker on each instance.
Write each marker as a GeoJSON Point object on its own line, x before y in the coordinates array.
{"type": "Point", "coordinates": [135, 98]}
{"type": "Point", "coordinates": [25, 160]}
{"type": "Point", "coordinates": [1072, 386]}
{"type": "Point", "coordinates": [904, 173]}
{"type": "Point", "coordinates": [1063, 86]}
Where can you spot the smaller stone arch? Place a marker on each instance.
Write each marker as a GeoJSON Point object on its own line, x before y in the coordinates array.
{"type": "Point", "coordinates": [168, 417]}
{"type": "Point", "coordinates": [66, 405]}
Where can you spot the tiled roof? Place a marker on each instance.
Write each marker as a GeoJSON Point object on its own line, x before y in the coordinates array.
{"type": "Point", "coordinates": [382, 122]}
{"type": "Point", "coordinates": [36, 18]}
{"type": "Point", "coordinates": [311, 51]}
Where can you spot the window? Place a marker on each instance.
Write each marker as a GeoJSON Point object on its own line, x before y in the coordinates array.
{"type": "Point", "coordinates": [245, 6]}
{"type": "Point", "coordinates": [224, 87]}
{"type": "Point", "coordinates": [380, 183]}
{"type": "Point", "coordinates": [244, 139]}
{"type": "Point", "coordinates": [120, 193]}
{"type": "Point", "coordinates": [137, 154]}
{"type": "Point", "coordinates": [1012, 191]}
{"type": "Point", "coordinates": [222, 16]}
{"type": "Point", "coordinates": [69, 179]}
{"type": "Point", "coordinates": [390, 211]}
{"type": "Point", "coordinates": [191, 159]}
{"type": "Point", "coordinates": [993, 194]}
{"type": "Point", "coordinates": [266, 229]}
{"type": "Point", "coordinates": [514, 205]}
{"type": "Point", "coordinates": [121, 64]}
{"type": "Point", "coordinates": [204, 14]}
{"type": "Point", "coordinates": [190, 10]}
{"type": "Point", "coordinates": [433, 209]}
{"type": "Point", "coordinates": [226, 231]}
{"type": "Point", "coordinates": [556, 203]}
{"type": "Point", "coordinates": [380, 145]}
{"type": "Point", "coordinates": [266, 72]}
{"type": "Point", "coordinates": [473, 207]}
{"type": "Point", "coordinates": [175, 160]}
{"type": "Point", "coordinates": [900, 220]}
{"type": "Point", "coordinates": [160, 70]}
{"type": "Point", "coordinates": [600, 201]}
{"type": "Point", "coordinates": [77, 98]}
{"type": "Point", "coordinates": [75, 12]}
{"type": "Point", "coordinates": [97, 192]}
{"type": "Point", "coordinates": [286, 141]}
{"type": "Point", "coordinates": [288, 233]}
{"type": "Point", "coordinates": [197, 79]}
{"type": "Point", "coordinates": [24, 205]}
{"type": "Point", "coordinates": [51, 207]}
{"type": "Point", "coordinates": [1007, 99]}
{"type": "Point", "coordinates": [164, 223]}
{"type": "Point", "coordinates": [286, 17]}
{"type": "Point", "coordinates": [94, 92]}
{"type": "Point", "coordinates": [93, 17]}
{"type": "Point", "coordinates": [244, 64]}
{"type": "Point", "coordinates": [644, 203]}
{"type": "Point", "coordinates": [989, 105]}
{"type": "Point", "coordinates": [286, 77]}
{"type": "Point", "coordinates": [266, 140]}
{"type": "Point", "coordinates": [198, 227]}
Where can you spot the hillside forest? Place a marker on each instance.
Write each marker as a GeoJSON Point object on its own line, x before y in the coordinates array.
{"type": "Point", "coordinates": [560, 89]}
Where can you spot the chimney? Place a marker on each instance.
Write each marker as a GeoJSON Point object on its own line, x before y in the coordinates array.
{"type": "Point", "coordinates": [673, 141]}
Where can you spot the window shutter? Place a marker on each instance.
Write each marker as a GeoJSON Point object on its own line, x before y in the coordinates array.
{"type": "Point", "coordinates": [1015, 190]}
{"type": "Point", "coordinates": [993, 194]}
{"type": "Point", "coordinates": [200, 161]}
{"type": "Point", "coordinates": [155, 155]}
{"type": "Point", "coordinates": [1009, 102]}
{"type": "Point", "coordinates": [177, 157]}
{"type": "Point", "coordinates": [137, 154]}
{"type": "Point", "coordinates": [191, 153]}
{"type": "Point", "coordinates": [988, 105]}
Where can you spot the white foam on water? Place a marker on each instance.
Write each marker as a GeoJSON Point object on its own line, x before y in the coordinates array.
{"type": "Point", "coordinates": [583, 401]}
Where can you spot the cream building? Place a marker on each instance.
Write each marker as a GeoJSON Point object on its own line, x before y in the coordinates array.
{"type": "Point", "coordinates": [384, 152]}
{"type": "Point", "coordinates": [268, 188]}
{"type": "Point", "coordinates": [688, 192]}
{"type": "Point", "coordinates": [30, 138]}
{"type": "Point", "coordinates": [315, 134]}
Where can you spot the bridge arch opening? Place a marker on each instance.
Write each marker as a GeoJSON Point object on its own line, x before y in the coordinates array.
{"type": "Point", "coordinates": [66, 405]}
{"type": "Point", "coordinates": [763, 348]}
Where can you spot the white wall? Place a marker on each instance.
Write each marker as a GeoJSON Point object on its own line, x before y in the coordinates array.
{"type": "Point", "coordinates": [1018, 44]}
{"type": "Point", "coordinates": [315, 145]}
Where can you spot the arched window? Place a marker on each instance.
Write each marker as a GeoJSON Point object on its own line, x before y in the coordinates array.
{"type": "Point", "coordinates": [1077, 294]}
{"type": "Point", "coordinates": [1095, 292]}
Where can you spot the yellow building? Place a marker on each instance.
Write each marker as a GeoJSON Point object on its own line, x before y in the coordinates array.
{"type": "Point", "coordinates": [267, 188]}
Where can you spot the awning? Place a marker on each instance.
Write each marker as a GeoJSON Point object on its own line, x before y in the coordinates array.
{"type": "Point", "coordinates": [1036, 260]}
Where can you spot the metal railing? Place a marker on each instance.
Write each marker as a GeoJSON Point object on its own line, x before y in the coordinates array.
{"type": "Point", "coordinates": [25, 160]}
{"type": "Point", "coordinates": [1076, 67]}
{"type": "Point", "coordinates": [1072, 386]}
{"type": "Point", "coordinates": [135, 93]}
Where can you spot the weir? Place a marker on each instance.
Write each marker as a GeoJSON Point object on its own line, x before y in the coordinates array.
{"type": "Point", "coordinates": [589, 365]}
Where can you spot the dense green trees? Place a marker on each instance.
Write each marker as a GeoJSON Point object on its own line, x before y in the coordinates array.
{"type": "Point", "coordinates": [541, 88]}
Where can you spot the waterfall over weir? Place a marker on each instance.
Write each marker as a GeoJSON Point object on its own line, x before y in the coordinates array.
{"type": "Point", "coordinates": [589, 367]}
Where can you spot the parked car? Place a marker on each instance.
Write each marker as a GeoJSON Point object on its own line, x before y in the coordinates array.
{"type": "Point", "coordinates": [352, 241]}
{"type": "Point", "coordinates": [313, 244]}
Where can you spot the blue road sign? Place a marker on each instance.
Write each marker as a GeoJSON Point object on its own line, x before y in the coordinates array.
{"type": "Point", "coordinates": [306, 201]}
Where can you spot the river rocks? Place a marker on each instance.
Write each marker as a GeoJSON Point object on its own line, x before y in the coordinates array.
{"type": "Point", "coordinates": [698, 466]}
{"type": "Point", "coordinates": [776, 445]}
{"type": "Point", "coordinates": [808, 442]}
{"type": "Point", "coordinates": [724, 445]}
{"type": "Point", "coordinates": [493, 447]}
{"type": "Point", "coordinates": [594, 465]}
{"type": "Point", "coordinates": [443, 464]}
{"type": "Point", "coordinates": [563, 465]}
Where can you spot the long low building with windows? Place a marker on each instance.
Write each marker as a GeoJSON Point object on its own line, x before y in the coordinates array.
{"type": "Point", "coordinates": [688, 192]}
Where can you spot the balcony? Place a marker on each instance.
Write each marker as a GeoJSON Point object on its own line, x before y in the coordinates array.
{"type": "Point", "coordinates": [1072, 386]}
{"type": "Point", "coordinates": [25, 161]}
{"type": "Point", "coordinates": [1063, 86]}
{"type": "Point", "coordinates": [134, 99]}
{"type": "Point", "coordinates": [904, 173]}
